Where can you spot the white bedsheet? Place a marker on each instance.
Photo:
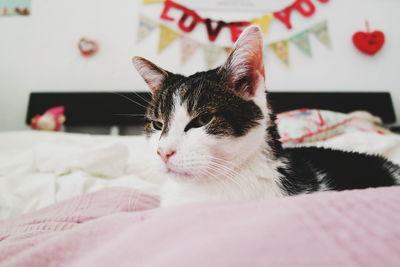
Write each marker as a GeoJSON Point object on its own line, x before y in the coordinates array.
{"type": "Point", "coordinates": [41, 168]}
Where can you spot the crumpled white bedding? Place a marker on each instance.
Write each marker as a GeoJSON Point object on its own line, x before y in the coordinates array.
{"type": "Point", "coordinates": [41, 168]}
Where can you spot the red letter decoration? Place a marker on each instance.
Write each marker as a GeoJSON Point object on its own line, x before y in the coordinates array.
{"type": "Point", "coordinates": [213, 33]}
{"type": "Point", "coordinates": [189, 28]}
{"type": "Point", "coordinates": [309, 11]}
{"type": "Point", "coordinates": [164, 13]}
{"type": "Point", "coordinates": [284, 16]}
{"type": "Point", "coordinates": [236, 29]}
{"type": "Point", "coordinates": [304, 7]}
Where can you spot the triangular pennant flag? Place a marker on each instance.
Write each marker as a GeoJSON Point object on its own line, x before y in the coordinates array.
{"type": "Point", "coordinates": [281, 49]}
{"type": "Point", "coordinates": [302, 41]}
{"type": "Point", "coordinates": [321, 32]}
{"type": "Point", "coordinates": [152, 1]}
{"type": "Point", "coordinates": [264, 22]}
{"type": "Point", "coordinates": [227, 49]}
{"type": "Point", "coordinates": [146, 26]}
{"type": "Point", "coordinates": [212, 54]}
{"type": "Point", "coordinates": [188, 47]}
{"type": "Point", "coordinates": [167, 37]}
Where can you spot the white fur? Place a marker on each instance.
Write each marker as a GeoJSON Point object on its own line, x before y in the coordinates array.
{"type": "Point", "coordinates": [245, 172]}
{"type": "Point", "coordinates": [208, 167]}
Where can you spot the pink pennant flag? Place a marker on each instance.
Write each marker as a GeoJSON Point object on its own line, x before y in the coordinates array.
{"type": "Point", "coordinates": [188, 48]}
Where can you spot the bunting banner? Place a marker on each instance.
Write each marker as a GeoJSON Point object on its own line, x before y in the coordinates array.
{"type": "Point", "coordinates": [153, 1]}
{"type": "Point", "coordinates": [146, 26]}
{"type": "Point", "coordinates": [167, 37]}
{"type": "Point", "coordinates": [281, 50]}
{"type": "Point", "coordinates": [189, 18]}
{"type": "Point", "coordinates": [188, 48]}
{"type": "Point", "coordinates": [212, 53]}
{"type": "Point", "coordinates": [15, 7]}
{"type": "Point", "coordinates": [263, 22]}
{"type": "Point", "coordinates": [321, 32]}
{"type": "Point", "coordinates": [302, 41]}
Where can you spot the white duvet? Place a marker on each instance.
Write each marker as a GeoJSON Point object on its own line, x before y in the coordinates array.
{"type": "Point", "coordinates": [41, 168]}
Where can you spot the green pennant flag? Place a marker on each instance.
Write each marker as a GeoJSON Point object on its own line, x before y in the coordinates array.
{"type": "Point", "coordinates": [321, 32]}
{"type": "Point", "coordinates": [302, 41]}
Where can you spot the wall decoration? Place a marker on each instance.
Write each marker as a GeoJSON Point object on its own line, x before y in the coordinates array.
{"type": "Point", "coordinates": [188, 48]}
{"type": "Point", "coordinates": [369, 42]}
{"type": "Point", "coordinates": [302, 41]}
{"type": "Point", "coordinates": [321, 32]}
{"type": "Point", "coordinates": [87, 47]}
{"type": "Point", "coordinates": [167, 37]}
{"type": "Point", "coordinates": [213, 52]}
{"type": "Point", "coordinates": [263, 22]}
{"type": "Point", "coordinates": [281, 49]}
{"type": "Point", "coordinates": [190, 18]}
{"type": "Point", "coordinates": [146, 26]}
{"type": "Point", "coordinates": [15, 7]}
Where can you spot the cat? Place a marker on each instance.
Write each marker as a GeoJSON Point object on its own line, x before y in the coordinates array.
{"type": "Point", "coordinates": [214, 134]}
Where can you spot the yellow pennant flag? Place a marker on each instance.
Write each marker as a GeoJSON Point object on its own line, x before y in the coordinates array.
{"type": "Point", "coordinates": [152, 1]}
{"type": "Point", "coordinates": [263, 22]}
{"type": "Point", "coordinates": [281, 49]}
{"type": "Point", "coordinates": [167, 37]}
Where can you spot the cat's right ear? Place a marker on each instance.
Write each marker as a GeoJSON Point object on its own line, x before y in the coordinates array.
{"type": "Point", "coordinates": [153, 75]}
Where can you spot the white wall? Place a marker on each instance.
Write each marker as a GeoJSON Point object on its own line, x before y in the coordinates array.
{"type": "Point", "coordinates": [38, 53]}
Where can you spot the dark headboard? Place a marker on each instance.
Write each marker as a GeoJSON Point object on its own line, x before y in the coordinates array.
{"type": "Point", "coordinates": [106, 108]}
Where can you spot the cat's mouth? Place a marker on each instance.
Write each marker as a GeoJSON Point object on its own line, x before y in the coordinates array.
{"type": "Point", "coordinates": [180, 176]}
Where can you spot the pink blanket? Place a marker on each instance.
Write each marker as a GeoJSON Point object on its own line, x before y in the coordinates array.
{"type": "Point", "coordinates": [119, 227]}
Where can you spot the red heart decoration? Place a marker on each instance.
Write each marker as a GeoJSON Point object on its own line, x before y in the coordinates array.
{"type": "Point", "coordinates": [369, 42]}
{"type": "Point", "coordinates": [87, 47]}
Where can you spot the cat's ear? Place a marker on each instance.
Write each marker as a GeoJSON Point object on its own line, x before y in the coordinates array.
{"type": "Point", "coordinates": [153, 75]}
{"type": "Point", "coordinates": [244, 65]}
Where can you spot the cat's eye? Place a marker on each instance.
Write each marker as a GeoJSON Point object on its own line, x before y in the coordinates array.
{"type": "Point", "coordinates": [156, 125]}
{"type": "Point", "coordinates": [200, 121]}
{"type": "Point", "coordinates": [203, 120]}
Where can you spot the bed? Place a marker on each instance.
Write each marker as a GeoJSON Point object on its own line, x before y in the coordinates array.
{"type": "Point", "coordinates": [78, 199]}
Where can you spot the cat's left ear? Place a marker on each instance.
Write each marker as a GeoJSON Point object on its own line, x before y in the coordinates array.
{"type": "Point", "coordinates": [153, 75]}
{"type": "Point", "coordinates": [244, 66]}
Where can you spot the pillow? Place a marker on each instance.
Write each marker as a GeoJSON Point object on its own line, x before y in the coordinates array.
{"type": "Point", "coordinates": [312, 125]}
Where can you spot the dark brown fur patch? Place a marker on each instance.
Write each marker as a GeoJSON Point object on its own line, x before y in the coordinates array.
{"type": "Point", "coordinates": [205, 92]}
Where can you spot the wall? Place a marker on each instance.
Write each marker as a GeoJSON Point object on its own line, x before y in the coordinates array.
{"type": "Point", "coordinates": [38, 53]}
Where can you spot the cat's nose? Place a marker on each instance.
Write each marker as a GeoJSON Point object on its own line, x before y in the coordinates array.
{"type": "Point", "coordinates": [165, 154]}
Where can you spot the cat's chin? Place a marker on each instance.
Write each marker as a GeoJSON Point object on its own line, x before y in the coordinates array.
{"type": "Point", "coordinates": [181, 177]}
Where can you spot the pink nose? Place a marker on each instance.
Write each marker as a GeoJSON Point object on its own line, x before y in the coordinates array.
{"type": "Point", "coordinates": [165, 154]}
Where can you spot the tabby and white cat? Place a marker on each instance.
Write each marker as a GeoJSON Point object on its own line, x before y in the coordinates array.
{"type": "Point", "coordinates": [214, 133]}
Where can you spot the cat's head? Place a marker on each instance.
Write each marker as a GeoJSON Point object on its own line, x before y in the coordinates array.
{"type": "Point", "coordinates": [206, 125]}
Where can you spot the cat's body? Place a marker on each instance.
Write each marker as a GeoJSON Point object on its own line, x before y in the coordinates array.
{"type": "Point", "coordinates": [214, 133]}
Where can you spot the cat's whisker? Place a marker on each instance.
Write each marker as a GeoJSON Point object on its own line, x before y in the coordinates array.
{"type": "Point", "coordinates": [141, 97]}
{"type": "Point", "coordinates": [226, 174]}
{"type": "Point", "coordinates": [220, 184]}
{"type": "Point", "coordinates": [243, 182]}
{"type": "Point", "coordinates": [129, 99]}
{"type": "Point", "coordinates": [130, 115]}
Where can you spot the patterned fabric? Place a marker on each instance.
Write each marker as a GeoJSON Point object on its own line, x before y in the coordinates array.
{"type": "Point", "coordinates": [311, 125]}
